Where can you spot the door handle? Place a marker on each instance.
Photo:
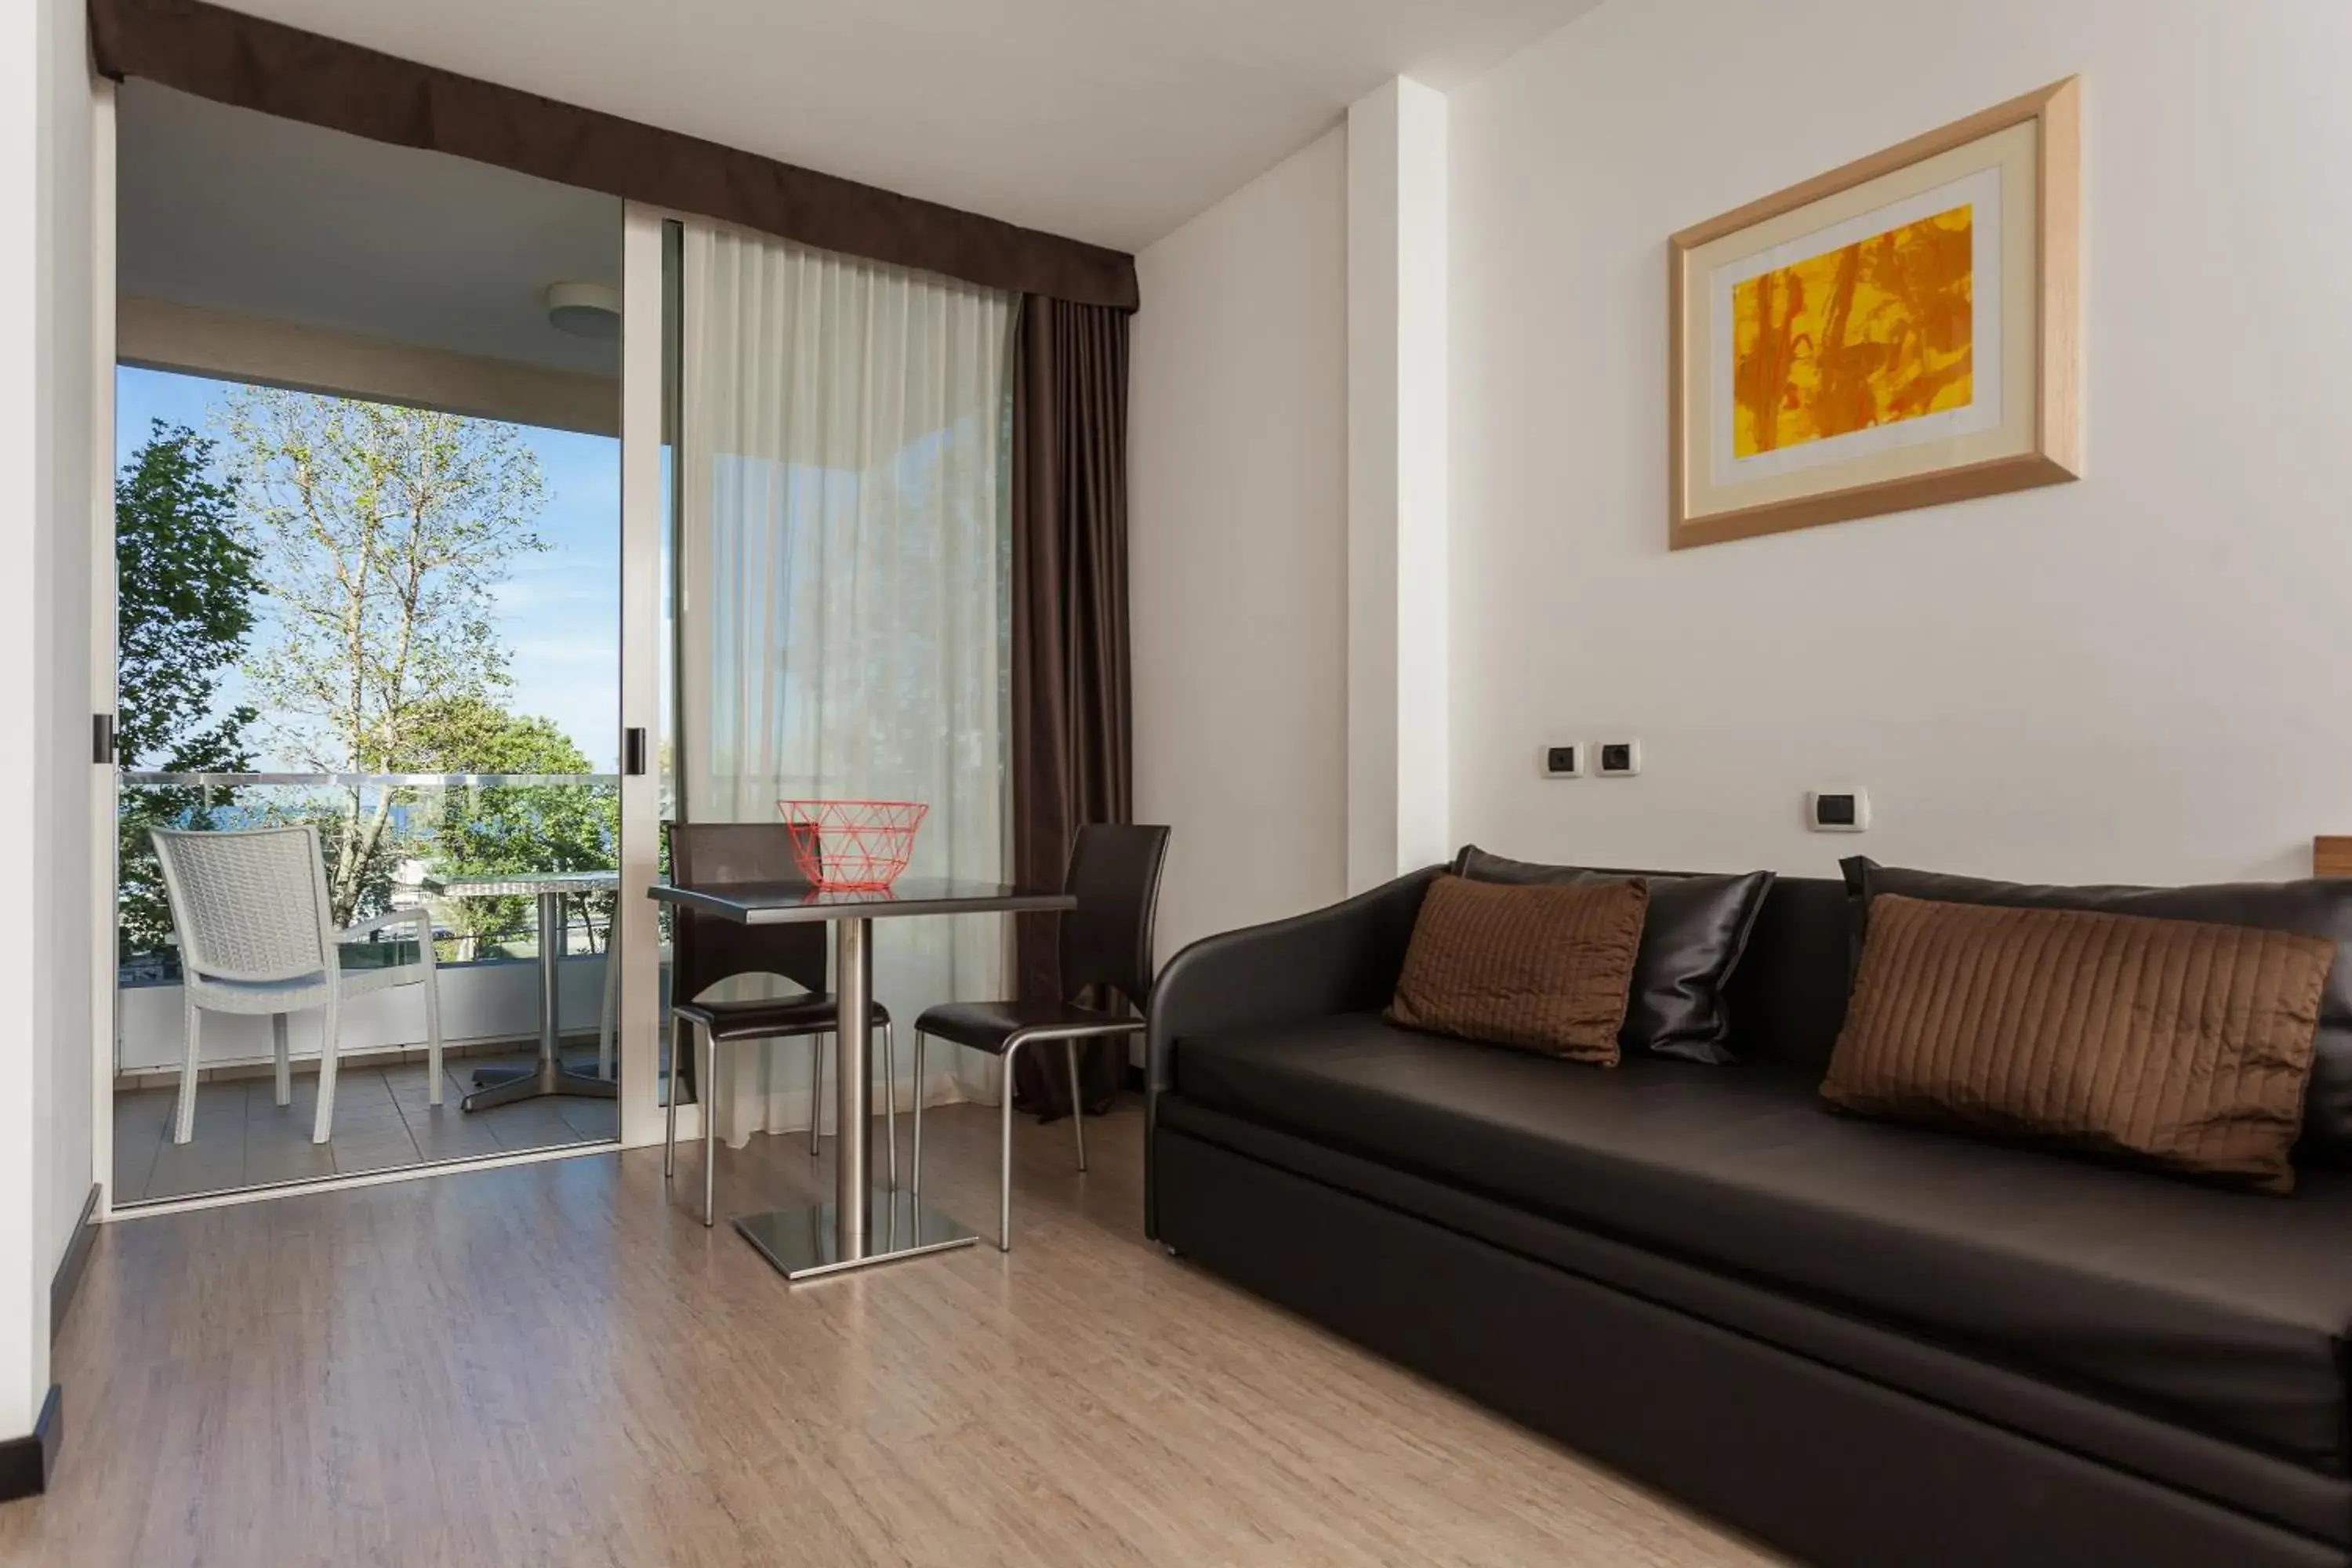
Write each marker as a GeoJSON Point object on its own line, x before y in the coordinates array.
{"type": "Point", "coordinates": [633, 752]}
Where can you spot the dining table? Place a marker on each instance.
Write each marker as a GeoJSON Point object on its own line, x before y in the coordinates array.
{"type": "Point", "coordinates": [861, 1226]}
{"type": "Point", "coordinates": [548, 1075]}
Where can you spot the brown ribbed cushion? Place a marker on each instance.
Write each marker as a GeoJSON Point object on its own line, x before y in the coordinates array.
{"type": "Point", "coordinates": [1548, 968]}
{"type": "Point", "coordinates": [2178, 1042]}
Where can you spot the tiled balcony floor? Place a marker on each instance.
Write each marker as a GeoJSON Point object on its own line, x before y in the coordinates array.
{"type": "Point", "coordinates": [382, 1121]}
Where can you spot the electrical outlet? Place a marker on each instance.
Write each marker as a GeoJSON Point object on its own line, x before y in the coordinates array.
{"type": "Point", "coordinates": [1618, 759]}
{"type": "Point", "coordinates": [1564, 762]}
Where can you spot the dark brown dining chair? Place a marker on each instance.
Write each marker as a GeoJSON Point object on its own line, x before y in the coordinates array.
{"type": "Point", "coordinates": [707, 949]}
{"type": "Point", "coordinates": [1106, 942]}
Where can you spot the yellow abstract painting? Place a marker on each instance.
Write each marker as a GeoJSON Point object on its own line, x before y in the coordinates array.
{"type": "Point", "coordinates": [1872, 333]}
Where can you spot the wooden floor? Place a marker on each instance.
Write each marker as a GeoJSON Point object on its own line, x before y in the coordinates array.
{"type": "Point", "coordinates": [557, 1364]}
{"type": "Point", "coordinates": [243, 1138]}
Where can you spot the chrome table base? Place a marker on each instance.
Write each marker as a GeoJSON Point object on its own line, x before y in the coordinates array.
{"type": "Point", "coordinates": [805, 1243]}
{"type": "Point", "coordinates": [543, 1078]}
{"type": "Point", "coordinates": [863, 1226]}
{"type": "Point", "coordinates": [549, 1075]}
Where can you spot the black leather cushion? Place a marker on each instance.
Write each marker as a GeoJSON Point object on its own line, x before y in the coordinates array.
{"type": "Point", "coordinates": [1788, 996]}
{"type": "Point", "coordinates": [2317, 906]}
{"type": "Point", "coordinates": [990, 1025]}
{"type": "Point", "coordinates": [1691, 942]}
{"type": "Point", "coordinates": [762, 1018]}
{"type": "Point", "coordinates": [2222, 1311]}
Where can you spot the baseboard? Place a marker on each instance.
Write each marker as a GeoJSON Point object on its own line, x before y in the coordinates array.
{"type": "Point", "coordinates": [66, 1281]}
{"type": "Point", "coordinates": [28, 1463]}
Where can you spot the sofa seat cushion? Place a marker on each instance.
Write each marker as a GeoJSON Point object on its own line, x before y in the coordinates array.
{"type": "Point", "coordinates": [2222, 1311]}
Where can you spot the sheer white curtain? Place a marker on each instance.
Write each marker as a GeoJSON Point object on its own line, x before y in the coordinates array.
{"type": "Point", "coordinates": [845, 602]}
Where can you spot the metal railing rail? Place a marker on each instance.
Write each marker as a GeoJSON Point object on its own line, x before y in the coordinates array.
{"type": "Point", "coordinates": [371, 780]}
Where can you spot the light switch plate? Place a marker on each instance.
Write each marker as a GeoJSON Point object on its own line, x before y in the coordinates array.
{"type": "Point", "coordinates": [1845, 809]}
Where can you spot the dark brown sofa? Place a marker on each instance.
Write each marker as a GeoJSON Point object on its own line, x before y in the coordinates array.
{"type": "Point", "coordinates": [1864, 1344]}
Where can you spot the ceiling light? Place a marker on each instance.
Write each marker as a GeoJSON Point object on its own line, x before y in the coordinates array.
{"type": "Point", "coordinates": [584, 310]}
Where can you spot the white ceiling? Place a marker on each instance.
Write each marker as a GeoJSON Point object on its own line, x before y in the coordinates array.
{"type": "Point", "coordinates": [1110, 120]}
{"type": "Point", "coordinates": [235, 211]}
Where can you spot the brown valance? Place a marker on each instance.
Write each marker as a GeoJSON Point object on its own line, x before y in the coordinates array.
{"type": "Point", "coordinates": [233, 58]}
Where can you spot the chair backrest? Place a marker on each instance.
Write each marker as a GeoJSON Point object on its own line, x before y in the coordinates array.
{"type": "Point", "coordinates": [248, 905]}
{"type": "Point", "coordinates": [707, 949]}
{"type": "Point", "coordinates": [1107, 939]}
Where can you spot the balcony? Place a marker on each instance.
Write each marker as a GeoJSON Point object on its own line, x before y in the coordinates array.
{"type": "Point", "coordinates": [389, 842]}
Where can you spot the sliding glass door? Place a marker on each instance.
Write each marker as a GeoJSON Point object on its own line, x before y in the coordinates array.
{"type": "Point", "coordinates": [386, 590]}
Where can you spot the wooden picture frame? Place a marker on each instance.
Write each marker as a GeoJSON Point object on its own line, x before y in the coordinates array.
{"type": "Point", "coordinates": [1742, 379]}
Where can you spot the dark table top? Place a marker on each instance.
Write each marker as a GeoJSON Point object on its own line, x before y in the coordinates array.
{"type": "Point", "coordinates": [776, 903]}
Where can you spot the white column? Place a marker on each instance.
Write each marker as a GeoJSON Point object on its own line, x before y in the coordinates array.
{"type": "Point", "coordinates": [23, 1301]}
{"type": "Point", "coordinates": [46, 469]}
{"type": "Point", "coordinates": [1398, 729]}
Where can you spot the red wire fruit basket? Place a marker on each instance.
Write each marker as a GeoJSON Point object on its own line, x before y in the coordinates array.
{"type": "Point", "coordinates": [852, 845]}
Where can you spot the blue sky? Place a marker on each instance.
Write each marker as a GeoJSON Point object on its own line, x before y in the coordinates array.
{"type": "Point", "coordinates": [558, 611]}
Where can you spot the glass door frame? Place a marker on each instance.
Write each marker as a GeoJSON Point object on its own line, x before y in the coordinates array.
{"type": "Point", "coordinates": [644, 349]}
{"type": "Point", "coordinates": [105, 777]}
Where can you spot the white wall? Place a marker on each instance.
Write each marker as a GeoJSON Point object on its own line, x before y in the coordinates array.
{"type": "Point", "coordinates": [66, 810]}
{"type": "Point", "coordinates": [45, 476]}
{"type": "Point", "coordinates": [64, 554]}
{"type": "Point", "coordinates": [23, 1369]}
{"type": "Point", "coordinates": [1238, 549]}
{"type": "Point", "coordinates": [2146, 675]}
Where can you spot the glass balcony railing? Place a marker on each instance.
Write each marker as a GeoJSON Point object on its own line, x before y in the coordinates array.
{"type": "Point", "coordinates": [387, 841]}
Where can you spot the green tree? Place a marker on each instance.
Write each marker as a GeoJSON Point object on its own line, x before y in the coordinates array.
{"type": "Point", "coordinates": [383, 531]}
{"type": "Point", "coordinates": [184, 592]}
{"type": "Point", "coordinates": [484, 830]}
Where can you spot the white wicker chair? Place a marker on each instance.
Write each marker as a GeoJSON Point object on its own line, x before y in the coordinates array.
{"type": "Point", "coordinates": [256, 936]}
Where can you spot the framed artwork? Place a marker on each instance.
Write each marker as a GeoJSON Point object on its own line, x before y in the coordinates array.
{"type": "Point", "coordinates": [1899, 333]}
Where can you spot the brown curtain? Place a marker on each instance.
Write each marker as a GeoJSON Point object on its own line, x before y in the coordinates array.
{"type": "Point", "coordinates": [252, 63]}
{"type": "Point", "coordinates": [1072, 752]}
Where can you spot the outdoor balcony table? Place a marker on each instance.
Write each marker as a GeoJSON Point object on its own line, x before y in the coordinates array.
{"type": "Point", "coordinates": [505, 1085]}
{"type": "Point", "coordinates": [860, 1226]}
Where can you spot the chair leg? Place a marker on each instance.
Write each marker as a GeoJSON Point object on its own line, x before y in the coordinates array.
{"type": "Point", "coordinates": [705, 1087]}
{"type": "Point", "coordinates": [1005, 1157]}
{"type": "Point", "coordinates": [324, 1128]}
{"type": "Point", "coordinates": [890, 1104]}
{"type": "Point", "coordinates": [1078, 1107]}
{"type": "Point", "coordinates": [280, 1049]}
{"type": "Point", "coordinates": [918, 1171]}
{"type": "Point", "coordinates": [184, 1121]}
{"type": "Point", "coordinates": [816, 1086]}
{"type": "Point", "coordinates": [670, 1115]}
